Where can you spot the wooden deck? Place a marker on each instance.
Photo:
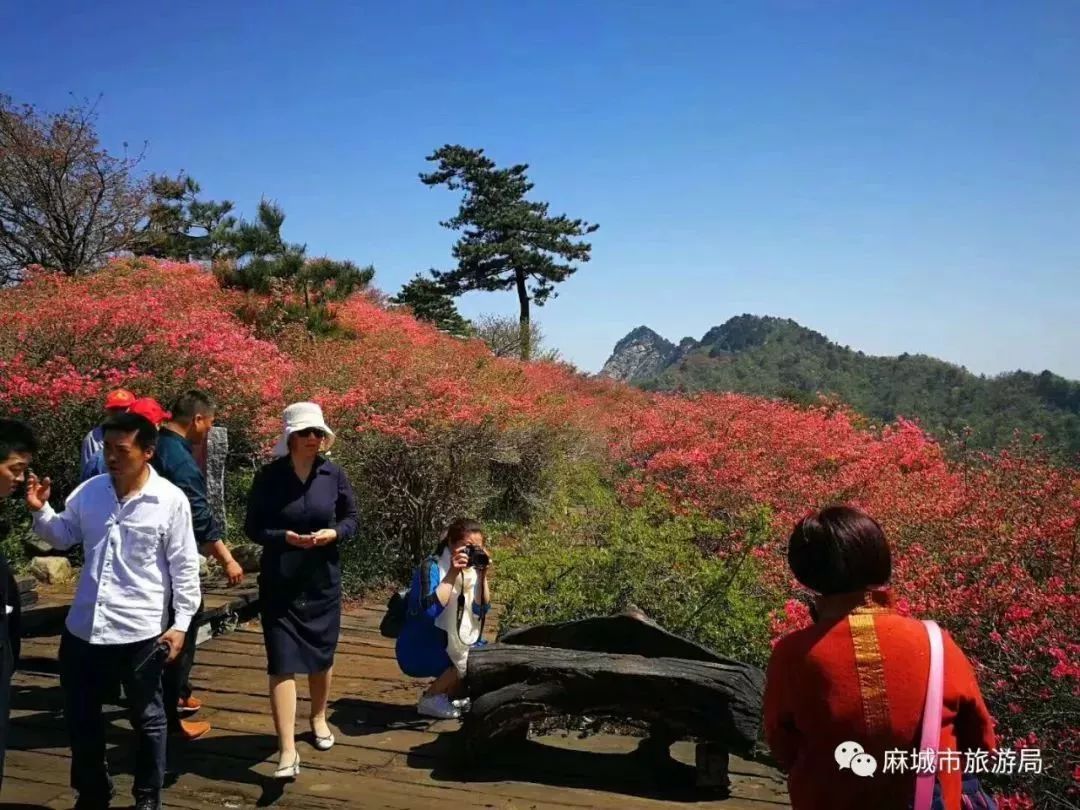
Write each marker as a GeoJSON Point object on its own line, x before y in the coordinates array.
{"type": "Point", "coordinates": [385, 757]}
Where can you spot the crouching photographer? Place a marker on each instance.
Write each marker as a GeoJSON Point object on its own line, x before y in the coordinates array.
{"type": "Point", "coordinates": [448, 600]}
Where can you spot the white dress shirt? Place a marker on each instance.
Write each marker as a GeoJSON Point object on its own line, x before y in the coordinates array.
{"type": "Point", "coordinates": [140, 556]}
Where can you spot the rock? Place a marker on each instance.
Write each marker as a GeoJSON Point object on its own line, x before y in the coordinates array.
{"type": "Point", "coordinates": [217, 449]}
{"type": "Point", "coordinates": [51, 570]}
{"type": "Point", "coordinates": [640, 355]}
{"type": "Point", "coordinates": [248, 556]}
{"type": "Point", "coordinates": [37, 546]}
{"type": "Point", "coordinates": [204, 566]}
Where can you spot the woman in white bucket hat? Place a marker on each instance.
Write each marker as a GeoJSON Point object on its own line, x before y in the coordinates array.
{"type": "Point", "coordinates": [300, 508]}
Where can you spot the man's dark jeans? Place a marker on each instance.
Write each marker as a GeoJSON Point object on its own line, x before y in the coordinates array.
{"type": "Point", "coordinates": [176, 680]}
{"type": "Point", "coordinates": [88, 673]}
{"type": "Point", "coordinates": [7, 667]}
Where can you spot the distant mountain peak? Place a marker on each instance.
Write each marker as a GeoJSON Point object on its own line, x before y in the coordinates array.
{"type": "Point", "coordinates": [744, 332]}
{"type": "Point", "coordinates": [643, 334]}
{"type": "Point", "coordinates": [777, 357]}
{"type": "Point", "coordinates": [642, 353]}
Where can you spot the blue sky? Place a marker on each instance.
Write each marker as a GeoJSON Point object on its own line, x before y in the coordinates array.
{"type": "Point", "coordinates": [898, 176]}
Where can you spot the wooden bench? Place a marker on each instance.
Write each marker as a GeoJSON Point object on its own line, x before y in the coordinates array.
{"type": "Point", "coordinates": [28, 594]}
{"type": "Point", "coordinates": [623, 668]}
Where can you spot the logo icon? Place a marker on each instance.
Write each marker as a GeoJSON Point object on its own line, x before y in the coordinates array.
{"type": "Point", "coordinates": [852, 755]}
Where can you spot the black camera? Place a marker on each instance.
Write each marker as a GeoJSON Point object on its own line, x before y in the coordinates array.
{"type": "Point", "coordinates": [158, 656]}
{"type": "Point", "coordinates": [478, 558]}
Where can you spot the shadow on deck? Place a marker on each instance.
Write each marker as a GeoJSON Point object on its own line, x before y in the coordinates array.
{"type": "Point", "coordinates": [386, 756]}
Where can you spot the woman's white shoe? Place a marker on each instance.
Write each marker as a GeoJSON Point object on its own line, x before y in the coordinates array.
{"type": "Point", "coordinates": [437, 706]}
{"type": "Point", "coordinates": [323, 743]}
{"type": "Point", "coordinates": [288, 771]}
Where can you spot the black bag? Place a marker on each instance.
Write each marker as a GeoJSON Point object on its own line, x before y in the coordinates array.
{"type": "Point", "coordinates": [397, 607]}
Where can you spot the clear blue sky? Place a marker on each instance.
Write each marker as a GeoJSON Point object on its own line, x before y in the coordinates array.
{"type": "Point", "coordinates": [901, 176]}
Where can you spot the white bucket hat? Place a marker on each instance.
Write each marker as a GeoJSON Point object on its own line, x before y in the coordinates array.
{"type": "Point", "coordinates": [301, 416]}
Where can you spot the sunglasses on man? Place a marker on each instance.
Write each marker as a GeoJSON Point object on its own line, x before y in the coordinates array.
{"type": "Point", "coordinates": [306, 432]}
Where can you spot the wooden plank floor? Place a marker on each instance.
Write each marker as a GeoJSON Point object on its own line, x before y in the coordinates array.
{"type": "Point", "coordinates": [385, 757]}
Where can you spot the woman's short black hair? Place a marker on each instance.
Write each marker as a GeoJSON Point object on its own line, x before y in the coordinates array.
{"type": "Point", "coordinates": [838, 550]}
{"type": "Point", "coordinates": [16, 437]}
{"type": "Point", "coordinates": [145, 432]}
{"type": "Point", "coordinates": [458, 530]}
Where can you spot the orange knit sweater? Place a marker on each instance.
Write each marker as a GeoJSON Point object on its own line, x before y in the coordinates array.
{"type": "Point", "coordinates": [861, 676]}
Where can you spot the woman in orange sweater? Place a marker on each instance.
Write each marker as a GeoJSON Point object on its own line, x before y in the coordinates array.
{"type": "Point", "coordinates": [859, 675]}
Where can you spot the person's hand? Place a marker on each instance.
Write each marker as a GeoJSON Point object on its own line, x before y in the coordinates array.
{"type": "Point", "coordinates": [298, 540]}
{"type": "Point", "coordinates": [324, 536]}
{"type": "Point", "coordinates": [486, 570]}
{"type": "Point", "coordinates": [459, 561]}
{"type": "Point", "coordinates": [37, 492]}
{"type": "Point", "coordinates": [175, 639]}
{"type": "Point", "coordinates": [234, 572]}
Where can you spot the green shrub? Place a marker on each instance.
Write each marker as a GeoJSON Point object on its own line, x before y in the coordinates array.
{"type": "Point", "coordinates": [592, 556]}
{"type": "Point", "coordinates": [408, 491]}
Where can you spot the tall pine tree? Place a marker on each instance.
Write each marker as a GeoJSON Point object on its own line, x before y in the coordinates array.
{"type": "Point", "coordinates": [507, 242]}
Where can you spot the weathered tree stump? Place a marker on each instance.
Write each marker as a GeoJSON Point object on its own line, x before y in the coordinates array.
{"type": "Point", "coordinates": [624, 668]}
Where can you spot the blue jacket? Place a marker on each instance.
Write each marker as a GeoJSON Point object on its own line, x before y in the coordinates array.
{"type": "Point", "coordinates": [175, 463]}
{"type": "Point", "coordinates": [421, 646]}
{"type": "Point", "coordinates": [92, 456]}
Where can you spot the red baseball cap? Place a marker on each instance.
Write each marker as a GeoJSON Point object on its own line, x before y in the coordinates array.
{"type": "Point", "coordinates": [151, 409]}
{"type": "Point", "coordinates": [119, 399]}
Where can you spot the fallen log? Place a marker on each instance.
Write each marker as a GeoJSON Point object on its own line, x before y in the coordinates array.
{"type": "Point", "coordinates": [512, 685]}
{"type": "Point", "coordinates": [627, 634]}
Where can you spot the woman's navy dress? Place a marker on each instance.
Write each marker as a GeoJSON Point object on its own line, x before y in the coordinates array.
{"type": "Point", "coordinates": [300, 589]}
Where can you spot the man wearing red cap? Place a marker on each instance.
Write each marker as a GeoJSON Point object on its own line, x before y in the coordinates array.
{"type": "Point", "coordinates": [92, 462]}
{"type": "Point", "coordinates": [133, 607]}
{"type": "Point", "coordinates": [151, 409]}
{"type": "Point", "coordinates": [147, 407]}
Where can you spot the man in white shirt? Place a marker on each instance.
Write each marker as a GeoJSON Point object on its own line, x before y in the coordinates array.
{"type": "Point", "coordinates": [140, 561]}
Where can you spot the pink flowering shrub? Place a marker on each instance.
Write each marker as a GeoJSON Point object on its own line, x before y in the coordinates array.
{"type": "Point", "coordinates": [988, 548]}
{"type": "Point", "coordinates": [430, 425]}
{"type": "Point", "coordinates": [154, 327]}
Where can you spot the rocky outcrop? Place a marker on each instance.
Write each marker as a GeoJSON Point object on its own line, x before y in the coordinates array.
{"type": "Point", "coordinates": [217, 451]}
{"type": "Point", "coordinates": [638, 356]}
{"type": "Point", "coordinates": [249, 557]}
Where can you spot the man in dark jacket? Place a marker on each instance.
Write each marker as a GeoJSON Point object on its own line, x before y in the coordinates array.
{"type": "Point", "coordinates": [17, 445]}
{"type": "Point", "coordinates": [191, 419]}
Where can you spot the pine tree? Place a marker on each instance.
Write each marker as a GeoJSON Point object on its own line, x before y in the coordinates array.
{"type": "Point", "coordinates": [430, 302]}
{"type": "Point", "coordinates": [181, 226]}
{"type": "Point", "coordinates": [263, 262]}
{"type": "Point", "coordinates": [507, 241]}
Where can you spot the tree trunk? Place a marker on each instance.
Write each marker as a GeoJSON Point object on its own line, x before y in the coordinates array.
{"type": "Point", "coordinates": [525, 328]}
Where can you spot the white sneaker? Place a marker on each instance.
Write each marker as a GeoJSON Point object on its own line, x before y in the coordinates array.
{"type": "Point", "coordinates": [437, 706]}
